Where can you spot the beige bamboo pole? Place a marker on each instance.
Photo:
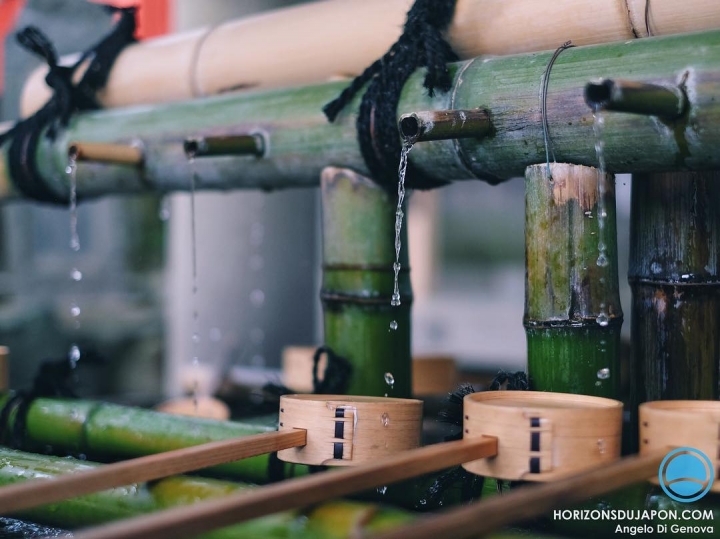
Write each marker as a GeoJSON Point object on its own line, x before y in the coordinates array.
{"type": "Point", "coordinates": [319, 41]}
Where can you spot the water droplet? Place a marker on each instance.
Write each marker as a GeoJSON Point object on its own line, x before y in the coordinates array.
{"type": "Point", "coordinates": [215, 334]}
{"type": "Point", "coordinates": [602, 214]}
{"type": "Point", "coordinates": [74, 310]}
{"type": "Point", "coordinates": [395, 300]}
{"type": "Point", "coordinates": [601, 446]}
{"type": "Point", "coordinates": [588, 214]}
{"type": "Point", "coordinates": [68, 169]}
{"type": "Point", "coordinates": [257, 336]}
{"type": "Point", "coordinates": [602, 260]}
{"type": "Point", "coordinates": [389, 379]}
{"type": "Point", "coordinates": [393, 325]}
{"type": "Point", "coordinates": [604, 373]}
{"type": "Point", "coordinates": [76, 275]}
{"type": "Point", "coordinates": [164, 211]}
{"type": "Point", "coordinates": [385, 419]}
{"type": "Point", "coordinates": [603, 319]}
{"type": "Point", "coordinates": [598, 384]}
{"type": "Point", "coordinates": [75, 243]}
{"type": "Point", "coordinates": [195, 338]}
{"type": "Point", "coordinates": [381, 490]}
{"type": "Point", "coordinates": [74, 355]}
{"type": "Point", "coordinates": [655, 267]}
{"type": "Point", "coordinates": [257, 297]}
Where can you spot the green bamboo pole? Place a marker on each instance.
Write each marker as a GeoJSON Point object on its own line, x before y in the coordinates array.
{"type": "Point", "coordinates": [675, 278]}
{"type": "Point", "coordinates": [572, 306]}
{"type": "Point", "coordinates": [112, 431]}
{"type": "Point", "coordinates": [326, 521]}
{"type": "Point", "coordinates": [358, 255]}
{"type": "Point", "coordinates": [300, 142]}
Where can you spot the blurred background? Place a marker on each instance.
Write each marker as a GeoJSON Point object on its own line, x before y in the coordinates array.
{"type": "Point", "coordinates": [258, 257]}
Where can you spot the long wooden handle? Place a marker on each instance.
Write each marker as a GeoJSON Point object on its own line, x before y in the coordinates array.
{"type": "Point", "coordinates": [42, 491]}
{"type": "Point", "coordinates": [202, 517]}
{"type": "Point", "coordinates": [530, 501]}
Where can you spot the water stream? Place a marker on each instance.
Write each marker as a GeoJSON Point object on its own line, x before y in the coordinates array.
{"type": "Point", "coordinates": [602, 259]}
{"type": "Point", "coordinates": [75, 273]}
{"type": "Point", "coordinates": [195, 314]}
{"type": "Point", "coordinates": [399, 214]}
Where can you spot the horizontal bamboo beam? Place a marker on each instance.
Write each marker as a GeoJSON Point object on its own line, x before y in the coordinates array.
{"type": "Point", "coordinates": [203, 62]}
{"type": "Point", "coordinates": [300, 141]}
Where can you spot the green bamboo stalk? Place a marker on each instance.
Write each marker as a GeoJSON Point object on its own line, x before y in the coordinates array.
{"type": "Point", "coordinates": [112, 431]}
{"type": "Point", "coordinates": [326, 521]}
{"type": "Point", "coordinates": [358, 256]}
{"type": "Point", "coordinates": [301, 142]}
{"type": "Point", "coordinates": [572, 307]}
{"type": "Point", "coordinates": [675, 278]}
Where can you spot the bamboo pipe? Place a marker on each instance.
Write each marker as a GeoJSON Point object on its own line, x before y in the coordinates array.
{"type": "Point", "coordinates": [227, 145]}
{"type": "Point", "coordinates": [444, 125]}
{"type": "Point", "coordinates": [23, 496]}
{"type": "Point", "coordinates": [202, 62]}
{"type": "Point", "coordinates": [203, 517]}
{"type": "Point", "coordinates": [572, 315]}
{"type": "Point", "coordinates": [530, 501]}
{"type": "Point", "coordinates": [627, 96]}
{"type": "Point", "coordinates": [99, 152]}
{"type": "Point", "coordinates": [303, 142]}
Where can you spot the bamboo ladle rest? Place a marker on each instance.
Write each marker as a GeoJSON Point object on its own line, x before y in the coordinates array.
{"type": "Point", "coordinates": [301, 427]}
{"type": "Point", "coordinates": [539, 432]}
{"type": "Point", "coordinates": [664, 425]}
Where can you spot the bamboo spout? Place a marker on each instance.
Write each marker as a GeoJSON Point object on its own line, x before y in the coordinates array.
{"type": "Point", "coordinates": [225, 145]}
{"type": "Point", "coordinates": [668, 102]}
{"type": "Point", "coordinates": [445, 124]}
{"type": "Point", "coordinates": [117, 154]}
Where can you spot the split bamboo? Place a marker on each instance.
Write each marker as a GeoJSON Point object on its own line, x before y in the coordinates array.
{"type": "Point", "coordinates": [205, 62]}
{"type": "Point", "coordinates": [112, 431]}
{"type": "Point", "coordinates": [572, 306]}
{"type": "Point", "coordinates": [358, 220]}
{"type": "Point", "coordinates": [675, 278]}
{"type": "Point", "coordinates": [301, 142]}
{"type": "Point", "coordinates": [332, 520]}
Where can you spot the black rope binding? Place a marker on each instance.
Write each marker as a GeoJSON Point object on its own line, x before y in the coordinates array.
{"type": "Point", "coordinates": [67, 99]}
{"type": "Point", "coordinates": [420, 45]}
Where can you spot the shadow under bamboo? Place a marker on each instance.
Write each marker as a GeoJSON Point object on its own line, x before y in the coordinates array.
{"type": "Point", "coordinates": [23, 496]}
{"type": "Point", "coordinates": [530, 501]}
{"type": "Point", "coordinates": [293, 493]}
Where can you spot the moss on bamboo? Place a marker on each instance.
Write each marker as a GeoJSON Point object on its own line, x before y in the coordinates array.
{"type": "Point", "coordinates": [358, 257]}
{"type": "Point", "coordinates": [572, 310]}
{"type": "Point", "coordinates": [111, 431]}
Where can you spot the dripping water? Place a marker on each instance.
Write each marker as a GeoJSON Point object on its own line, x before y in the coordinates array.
{"type": "Point", "coordinates": [602, 260]}
{"type": "Point", "coordinates": [389, 381]}
{"type": "Point", "coordinates": [399, 214]}
{"type": "Point", "coordinates": [75, 273]}
{"type": "Point", "coordinates": [195, 314]}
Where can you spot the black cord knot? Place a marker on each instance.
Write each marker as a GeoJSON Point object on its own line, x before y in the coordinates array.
{"type": "Point", "coordinates": [421, 44]}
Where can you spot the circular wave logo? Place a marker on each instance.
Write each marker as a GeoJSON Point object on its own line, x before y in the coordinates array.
{"type": "Point", "coordinates": [686, 474]}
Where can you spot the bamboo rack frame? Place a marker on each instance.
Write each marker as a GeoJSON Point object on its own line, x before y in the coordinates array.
{"type": "Point", "coordinates": [301, 142]}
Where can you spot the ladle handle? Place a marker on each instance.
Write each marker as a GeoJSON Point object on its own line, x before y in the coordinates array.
{"type": "Point", "coordinates": [531, 501]}
{"type": "Point", "coordinates": [38, 492]}
{"type": "Point", "coordinates": [205, 516]}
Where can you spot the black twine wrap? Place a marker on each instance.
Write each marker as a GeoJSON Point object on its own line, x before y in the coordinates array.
{"type": "Point", "coordinates": [67, 99]}
{"type": "Point", "coordinates": [421, 45]}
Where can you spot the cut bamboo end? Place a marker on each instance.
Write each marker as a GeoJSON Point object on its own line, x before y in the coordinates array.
{"type": "Point", "coordinates": [253, 144]}
{"type": "Point", "coordinates": [445, 124]}
{"type": "Point", "coordinates": [543, 436]}
{"type": "Point", "coordinates": [627, 96]}
{"type": "Point", "coordinates": [4, 369]}
{"type": "Point", "coordinates": [348, 430]}
{"type": "Point", "coordinates": [683, 424]}
{"type": "Point", "coordinates": [117, 154]}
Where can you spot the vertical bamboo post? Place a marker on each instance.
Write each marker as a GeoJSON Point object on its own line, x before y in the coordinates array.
{"type": "Point", "coordinates": [358, 254]}
{"type": "Point", "coordinates": [675, 278]}
{"type": "Point", "coordinates": [572, 306]}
